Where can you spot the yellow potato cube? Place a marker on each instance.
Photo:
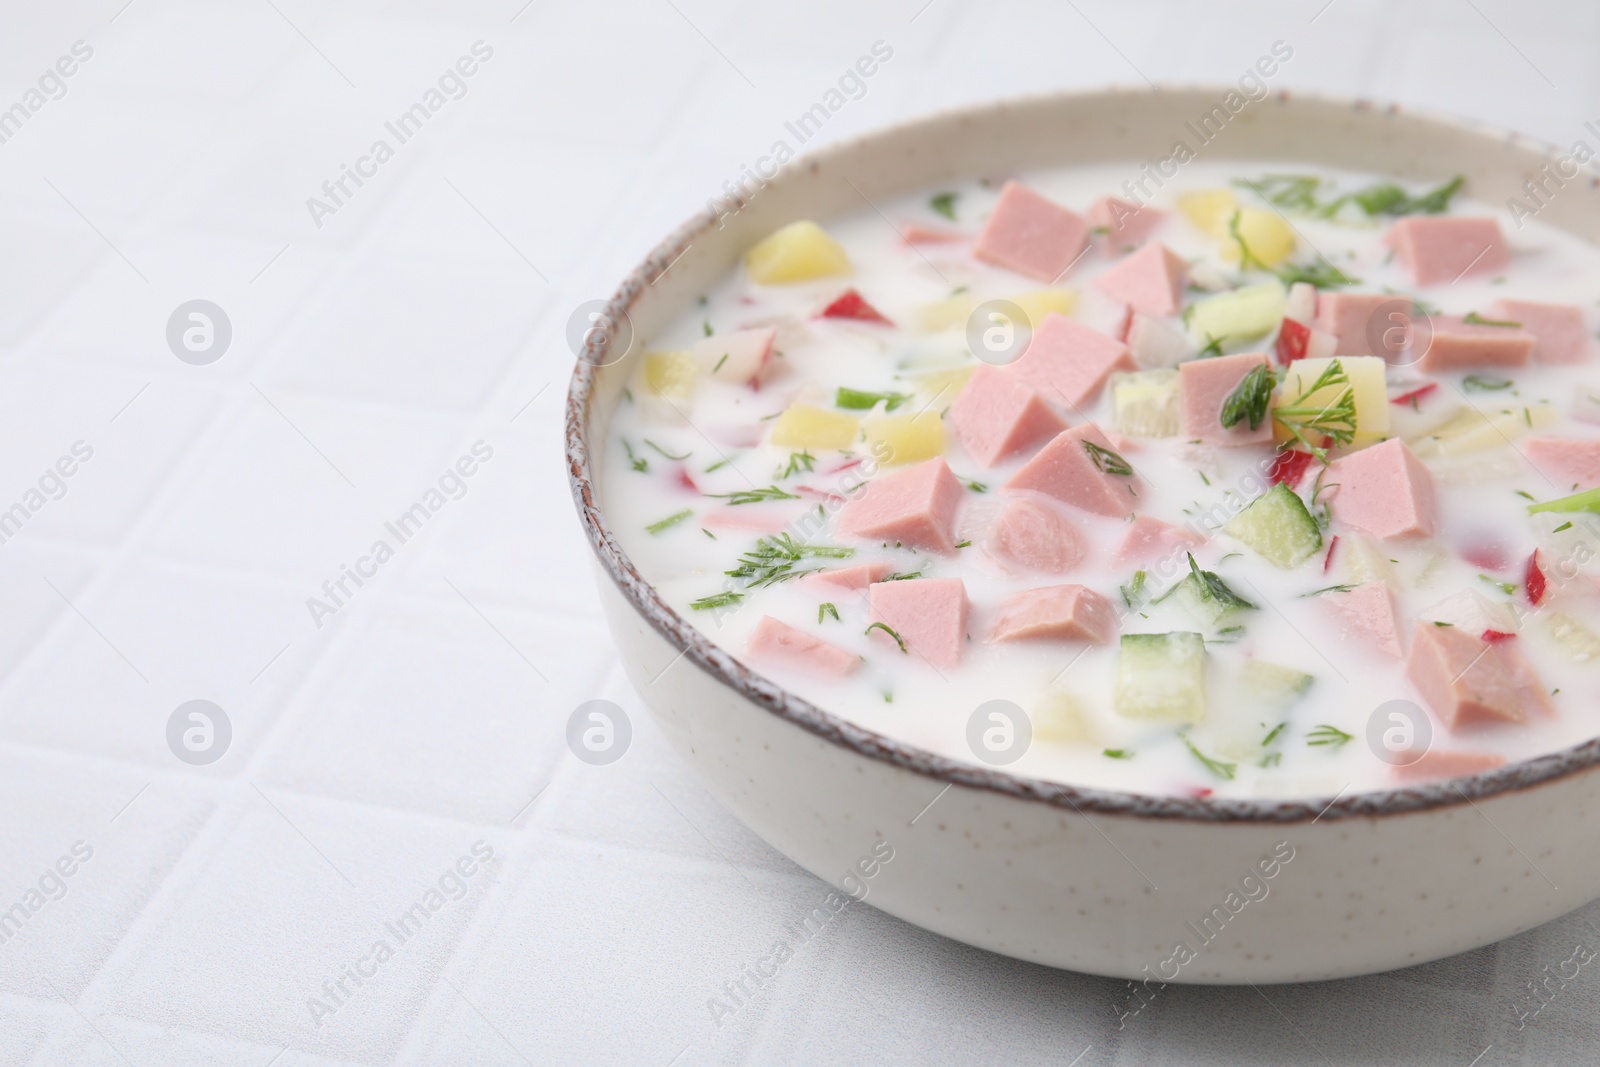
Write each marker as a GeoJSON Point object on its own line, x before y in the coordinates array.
{"type": "Point", "coordinates": [1058, 717]}
{"type": "Point", "coordinates": [1269, 238]}
{"type": "Point", "coordinates": [1366, 381]}
{"type": "Point", "coordinates": [910, 438]}
{"type": "Point", "coordinates": [796, 253]}
{"type": "Point", "coordinates": [670, 374]}
{"type": "Point", "coordinates": [1209, 210]}
{"type": "Point", "coordinates": [939, 389]}
{"type": "Point", "coordinates": [1039, 303]}
{"type": "Point", "coordinates": [1474, 430]}
{"type": "Point", "coordinates": [804, 426]}
{"type": "Point", "coordinates": [950, 313]}
{"type": "Point", "coordinates": [1145, 403]}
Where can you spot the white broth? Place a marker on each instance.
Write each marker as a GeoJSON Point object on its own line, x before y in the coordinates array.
{"type": "Point", "coordinates": [679, 446]}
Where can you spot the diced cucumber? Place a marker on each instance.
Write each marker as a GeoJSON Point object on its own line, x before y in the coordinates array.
{"type": "Point", "coordinates": [1276, 688]}
{"type": "Point", "coordinates": [1253, 311]}
{"type": "Point", "coordinates": [1277, 525]}
{"type": "Point", "coordinates": [1162, 676]}
{"type": "Point", "coordinates": [1145, 403]}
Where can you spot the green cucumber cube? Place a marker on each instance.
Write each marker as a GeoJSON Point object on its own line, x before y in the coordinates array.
{"type": "Point", "coordinates": [1277, 525]}
{"type": "Point", "coordinates": [1162, 676]}
{"type": "Point", "coordinates": [1252, 311]}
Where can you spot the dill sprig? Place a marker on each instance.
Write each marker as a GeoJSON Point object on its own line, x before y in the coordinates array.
{"type": "Point", "coordinates": [1321, 273]}
{"type": "Point", "coordinates": [664, 452]}
{"type": "Point", "coordinates": [824, 610]}
{"type": "Point", "coordinates": [775, 558]}
{"type": "Point", "coordinates": [1106, 461]}
{"type": "Point", "coordinates": [799, 463]}
{"type": "Point", "coordinates": [716, 600]}
{"type": "Point", "coordinates": [1211, 587]}
{"type": "Point", "coordinates": [1217, 767]}
{"type": "Point", "coordinates": [1250, 399]}
{"type": "Point", "coordinates": [1336, 419]}
{"type": "Point", "coordinates": [637, 462]}
{"type": "Point", "coordinates": [754, 496]}
{"type": "Point", "coordinates": [1328, 735]}
{"type": "Point", "coordinates": [885, 628]}
{"type": "Point", "coordinates": [669, 522]}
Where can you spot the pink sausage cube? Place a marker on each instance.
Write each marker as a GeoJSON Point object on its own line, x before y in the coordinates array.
{"type": "Point", "coordinates": [1367, 613]}
{"type": "Point", "coordinates": [1438, 249]}
{"type": "Point", "coordinates": [1465, 679]}
{"type": "Point", "coordinates": [1204, 386]}
{"type": "Point", "coordinates": [1384, 492]}
{"type": "Point", "coordinates": [1079, 467]}
{"type": "Point", "coordinates": [1031, 235]}
{"type": "Point", "coordinates": [1435, 765]}
{"type": "Point", "coordinates": [1566, 461]}
{"type": "Point", "coordinates": [1360, 325]}
{"type": "Point", "coordinates": [1067, 363]}
{"type": "Point", "coordinates": [1060, 612]}
{"type": "Point", "coordinates": [1456, 344]}
{"type": "Point", "coordinates": [1149, 281]}
{"type": "Point", "coordinates": [1120, 226]}
{"type": "Point", "coordinates": [846, 579]}
{"type": "Point", "coordinates": [1031, 535]}
{"type": "Point", "coordinates": [1561, 331]}
{"type": "Point", "coordinates": [996, 415]}
{"type": "Point", "coordinates": [929, 614]}
{"type": "Point", "coordinates": [915, 506]}
{"type": "Point", "coordinates": [778, 642]}
{"type": "Point", "coordinates": [1149, 539]}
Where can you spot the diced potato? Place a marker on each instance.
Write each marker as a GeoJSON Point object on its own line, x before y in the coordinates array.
{"type": "Point", "coordinates": [939, 389]}
{"type": "Point", "coordinates": [670, 374]}
{"type": "Point", "coordinates": [1041, 302]}
{"type": "Point", "coordinates": [910, 438]}
{"type": "Point", "coordinates": [1366, 374]}
{"type": "Point", "coordinates": [796, 253]}
{"type": "Point", "coordinates": [804, 426]}
{"type": "Point", "coordinates": [1269, 238]}
{"type": "Point", "coordinates": [1209, 210]}
{"type": "Point", "coordinates": [1361, 560]}
{"type": "Point", "coordinates": [1145, 403]}
{"type": "Point", "coordinates": [1473, 430]}
{"type": "Point", "coordinates": [1058, 717]}
{"type": "Point", "coordinates": [950, 313]}
{"type": "Point", "coordinates": [1162, 676]}
{"type": "Point", "coordinates": [1577, 641]}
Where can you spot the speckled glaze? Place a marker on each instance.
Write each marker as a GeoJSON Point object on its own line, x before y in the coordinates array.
{"type": "Point", "coordinates": [1098, 881]}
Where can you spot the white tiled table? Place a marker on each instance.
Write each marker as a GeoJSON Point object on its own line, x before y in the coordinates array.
{"type": "Point", "coordinates": [371, 753]}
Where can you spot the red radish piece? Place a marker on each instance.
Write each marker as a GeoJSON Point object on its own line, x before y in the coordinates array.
{"type": "Point", "coordinates": [1496, 636]}
{"type": "Point", "coordinates": [1533, 579]}
{"type": "Point", "coordinates": [1289, 466]}
{"type": "Point", "coordinates": [1293, 337]}
{"type": "Point", "coordinates": [1327, 561]}
{"type": "Point", "coordinates": [820, 494]}
{"type": "Point", "coordinates": [850, 305]}
{"type": "Point", "coordinates": [918, 234]}
{"type": "Point", "coordinates": [1489, 556]}
{"type": "Point", "coordinates": [686, 481]}
{"type": "Point", "coordinates": [1411, 396]}
{"type": "Point", "coordinates": [846, 465]}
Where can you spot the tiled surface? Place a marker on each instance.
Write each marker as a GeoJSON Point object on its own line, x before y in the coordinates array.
{"type": "Point", "coordinates": [374, 743]}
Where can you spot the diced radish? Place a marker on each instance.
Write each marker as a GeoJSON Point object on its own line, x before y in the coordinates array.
{"type": "Point", "coordinates": [1292, 340]}
{"type": "Point", "coordinates": [735, 357]}
{"type": "Point", "coordinates": [1327, 561]}
{"type": "Point", "coordinates": [850, 305]}
{"type": "Point", "coordinates": [1410, 396]}
{"type": "Point", "coordinates": [819, 494]}
{"type": "Point", "coordinates": [1302, 305]}
{"type": "Point", "coordinates": [1533, 579]}
{"type": "Point", "coordinates": [846, 465]}
{"type": "Point", "coordinates": [686, 481]}
{"type": "Point", "coordinates": [1494, 637]}
{"type": "Point", "coordinates": [1289, 466]}
{"type": "Point", "coordinates": [1485, 554]}
{"type": "Point", "coordinates": [1155, 343]}
{"type": "Point", "coordinates": [918, 234]}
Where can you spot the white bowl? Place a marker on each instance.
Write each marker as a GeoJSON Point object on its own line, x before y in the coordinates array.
{"type": "Point", "coordinates": [1104, 882]}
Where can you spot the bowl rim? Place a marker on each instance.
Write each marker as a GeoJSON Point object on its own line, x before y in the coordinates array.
{"type": "Point", "coordinates": [771, 697]}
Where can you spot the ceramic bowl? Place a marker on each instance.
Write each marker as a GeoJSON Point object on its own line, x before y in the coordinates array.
{"type": "Point", "coordinates": [1119, 884]}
